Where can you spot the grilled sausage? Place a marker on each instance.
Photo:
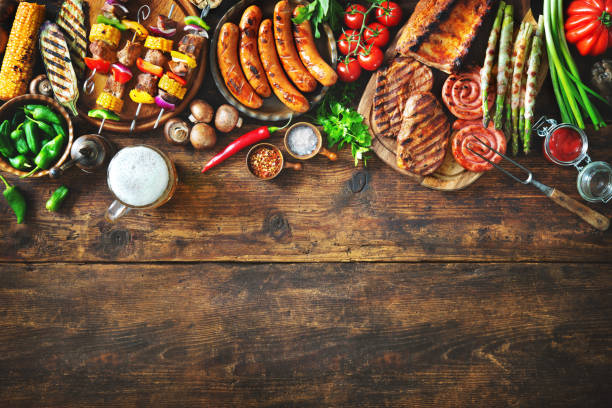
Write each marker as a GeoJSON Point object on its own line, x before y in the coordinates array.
{"type": "Point", "coordinates": [227, 56]}
{"type": "Point", "coordinates": [309, 54]}
{"type": "Point", "coordinates": [249, 57]}
{"type": "Point", "coordinates": [286, 49]}
{"type": "Point", "coordinates": [279, 82]}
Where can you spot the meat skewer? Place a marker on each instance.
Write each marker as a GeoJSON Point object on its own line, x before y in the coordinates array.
{"type": "Point", "coordinates": [110, 100]}
{"type": "Point", "coordinates": [171, 88]}
{"type": "Point", "coordinates": [152, 64]}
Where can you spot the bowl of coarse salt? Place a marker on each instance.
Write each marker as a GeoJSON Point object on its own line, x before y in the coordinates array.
{"type": "Point", "coordinates": [304, 141]}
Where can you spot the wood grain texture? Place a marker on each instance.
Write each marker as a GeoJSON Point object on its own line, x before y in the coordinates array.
{"type": "Point", "coordinates": [362, 335]}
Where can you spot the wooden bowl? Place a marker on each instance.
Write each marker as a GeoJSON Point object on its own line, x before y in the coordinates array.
{"type": "Point", "coordinates": [273, 109]}
{"type": "Point", "coordinates": [8, 110]}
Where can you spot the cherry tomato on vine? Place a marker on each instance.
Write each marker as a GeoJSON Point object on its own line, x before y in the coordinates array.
{"type": "Point", "coordinates": [354, 16]}
{"type": "Point", "coordinates": [349, 70]}
{"type": "Point", "coordinates": [377, 34]}
{"type": "Point", "coordinates": [389, 13]}
{"type": "Point", "coordinates": [349, 41]}
{"type": "Point", "coordinates": [371, 58]}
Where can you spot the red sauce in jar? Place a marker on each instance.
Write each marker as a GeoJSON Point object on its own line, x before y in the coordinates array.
{"type": "Point", "coordinates": [565, 144]}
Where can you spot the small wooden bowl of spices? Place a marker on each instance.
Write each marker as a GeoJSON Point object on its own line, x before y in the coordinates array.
{"type": "Point", "coordinates": [304, 141]}
{"type": "Point", "coordinates": [265, 161]}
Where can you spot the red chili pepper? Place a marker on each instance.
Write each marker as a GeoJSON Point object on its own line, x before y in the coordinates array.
{"type": "Point", "coordinates": [100, 65]}
{"type": "Point", "coordinates": [237, 145]}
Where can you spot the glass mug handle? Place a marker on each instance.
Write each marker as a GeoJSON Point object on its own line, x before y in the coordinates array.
{"type": "Point", "coordinates": [115, 211]}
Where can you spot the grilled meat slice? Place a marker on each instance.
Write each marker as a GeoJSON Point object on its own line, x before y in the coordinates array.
{"type": "Point", "coordinates": [164, 23]}
{"type": "Point", "coordinates": [426, 15]}
{"type": "Point", "coordinates": [114, 88]}
{"type": "Point", "coordinates": [147, 83]}
{"type": "Point", "coordinates": [155, 57]}
{"type": "Point", "coordinates": [129, 53]}
{"type": "Point", "coordinates": [394, 85]}
{"type": "Point", "coordinates": [191, 44]}
{"type": "Point", "coordinates": [423, 137]}
{"type": "Point", "coordinates": [101, 50]}
{"type": "Point", "coordinates": [167, 97]}
{"type": "Point", "coordinates": [110, 10]}
{"type": "Point", "coordinates": [179, 68]}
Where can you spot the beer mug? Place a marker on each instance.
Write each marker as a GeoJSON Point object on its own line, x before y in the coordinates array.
{"type": "Point", "coordinates": [140, 177]}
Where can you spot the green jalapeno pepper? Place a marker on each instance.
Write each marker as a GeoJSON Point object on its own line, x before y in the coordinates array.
{"type": "Point", "coordinates": [48, 155]}
{"type": "Point", "coordinates": [57, 198]}
{"type": "Point", "coordinates": [31, 132]}
{"type": "Point", "coordinates": [6, 145]}
{"type": "Point", "coordinates": [58, 130]}
{"type": "Point", "coordinates": [111, 21]}
{"type": "Point", "coordinates": [15, 200]}
{"type": "Point", "coordinates": [46, 128]}
{"type": "Point", "coordinates": [18, 118]}
{"type": "Point", "coordinates": [103, 114]}
{"type": "Point", "coordinates": [195, 20]}
{"type": "Point", "coordinates": [20, 162]}
{"type": "Point", "coordinates": [21, 145]}
{"type": "Point", "coordinates": [43, 113]}
{"type": "Point", "coordinates": [17, 133]}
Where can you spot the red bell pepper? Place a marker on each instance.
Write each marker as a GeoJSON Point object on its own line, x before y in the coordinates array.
{"type": "Point", "coordinates": [177, 78]}
{"type": "Point", "coordinates": [100, 65]}
{"type": "Point", "coordinates": [121, 73]}
{"type": "Point", "coordinates": [149, 68]}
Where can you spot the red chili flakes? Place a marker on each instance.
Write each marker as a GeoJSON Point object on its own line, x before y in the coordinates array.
{"type": "Point", "coordinates": [265, 162]}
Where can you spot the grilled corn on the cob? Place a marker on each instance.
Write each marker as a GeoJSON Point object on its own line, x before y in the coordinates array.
{"type": "Point", "coordinates": [106, 33]}
{"type": "Point", "coordinates": [158, 43]}
{"type": "Point", "coordinates": [108, 101]}
{"type": "Point", "coordinates": [172, 87]}
{"type": "Point", "coordinates": [18, 60]}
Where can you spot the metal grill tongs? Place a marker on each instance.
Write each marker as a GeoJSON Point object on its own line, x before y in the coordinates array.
{"type": "Point", "coordinates": [594, 218]}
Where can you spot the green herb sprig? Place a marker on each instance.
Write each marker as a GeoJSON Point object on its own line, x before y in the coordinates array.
{"type": "Point", "coordinates": [343, 124]}
{"type": "Point", "coordinates": [319, 12]}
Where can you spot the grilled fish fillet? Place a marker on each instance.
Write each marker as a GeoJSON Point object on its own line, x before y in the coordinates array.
{"type": "Point", "coordinates": [448, 42]}
{"type": "Point", "coordinates": [394, 85]}
{"type": "Point", "coordinates": [423, 137]}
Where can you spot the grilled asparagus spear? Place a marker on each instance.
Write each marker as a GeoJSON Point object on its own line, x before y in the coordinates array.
{"type": "Point", "coordinates": [535, 59]}
{"type": "Point", "coordinates": [487, 66]}
{"type": "Point", "coordinates": [505, 44]}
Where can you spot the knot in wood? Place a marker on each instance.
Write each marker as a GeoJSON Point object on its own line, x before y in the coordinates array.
{"type": "Point", "coordinates": [277, 226]}
{"type": "Point", "coordinates": [358, 182]}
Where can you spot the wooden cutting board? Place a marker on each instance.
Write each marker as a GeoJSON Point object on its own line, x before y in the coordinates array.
{"type": "Point", "coordinates": [450, 176]}
{"type": "Point", "coordinates": [148, 113]}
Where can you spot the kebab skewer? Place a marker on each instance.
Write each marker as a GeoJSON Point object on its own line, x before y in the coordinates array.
{"type": "Point", "coordinates": [110, 100]}
{"type": "Point", "coordinates": [151, 66]}
{"type": "Point", "coordinates": [104, 38]}
{"type": "Point", "coordinates": [171, 87]}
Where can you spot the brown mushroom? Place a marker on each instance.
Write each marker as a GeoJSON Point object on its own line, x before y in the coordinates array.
{"type": "Point", "coordinates": [176, 132]}
{"type": "Point", "coordinates": [41, 86]}
{"type": "Point", "coordinates": [227, 119]}
{"type": "Point", "coordinates": [202, 136]}
{"type": "Point", "coordinates": [201, 111]}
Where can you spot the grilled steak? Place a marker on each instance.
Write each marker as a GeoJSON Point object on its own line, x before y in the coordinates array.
{"type": "Point", "coordinates": [155, 57]}
{"type": "Point", "coordinates": [129, 53]}
{"type": "Point", "coordinates": [191, 44]}
{"type": "Point", "coordinates": [394, 85]}
{"type": "Point", "coordinates": [114, 88]}
{"type": "Point", "coordinates": [423, 137]}
{"type": "Point", "coordinates": [147, 83]}
{"type": "Point", "coordinates": [179, 68]}
{"type": "Point", "coordinates": [448, 40]}
{"type": "Point", "coordinates": [101, 50]}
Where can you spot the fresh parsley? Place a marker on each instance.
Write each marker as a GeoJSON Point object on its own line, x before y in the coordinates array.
{"type": "Point", "coordinates": [319, 12]}
{"type": "Point", "coordinates": [343, 124]}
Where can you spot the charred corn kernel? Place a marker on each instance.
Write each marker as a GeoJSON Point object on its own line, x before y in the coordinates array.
{"type": "Point", "coordinates": [139, 29]}
{"type": "Point", "coordinates": [108, 101]}
{"type": "Point", "coordinates": [141, 97]}
{"type": "Point", "coordinates": [18, 60]}
{"type": "Point", "coordinates": [106, 33]}
{"type": "Point", "coordinates": [172, 87]}
{"type": "Point", "coordinates": [179, 56]}
{"type": "Point", "coordinates": [158, 43]}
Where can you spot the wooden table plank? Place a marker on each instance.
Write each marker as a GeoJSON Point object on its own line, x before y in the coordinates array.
{"type": "Point", "coordinates": [374, 335]}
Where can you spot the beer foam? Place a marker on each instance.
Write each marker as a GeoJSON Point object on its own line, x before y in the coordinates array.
{"type": "Point", "coordinates": [138, 176]}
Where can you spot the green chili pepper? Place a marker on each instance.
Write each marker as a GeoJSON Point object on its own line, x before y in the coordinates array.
{"type": "Point", "coordinates": [195, 20]}
{"type": "Point", "coordinates": [48, 155]}
{"type": "Point", "coordinates": [20, 162]}
{"type": "Point", "coordinates": [17, 133]}
{"type": "Point", "coordinates": [103, 114]}
{"type": "Point", "coordinates": [22, 145]}
{"type": "Point", "coordinates": [111, 21]}
{"type": "Point", "coordinates": [59, 130]}
{"type": "Point", "coordinates": [18, 118]}
{"type": "Point", "coordinates": [6, 145]}
{"type": "Point", "coordinates": [31, 131]}
{"type": "Point", "coordinates": [57, 198]}
{"type": "Point", "coordinates": [46, 128]}
{"type": "Point", "coordinates": [44, 113]}
{"type": "Point", "coordinates": [15, 200]}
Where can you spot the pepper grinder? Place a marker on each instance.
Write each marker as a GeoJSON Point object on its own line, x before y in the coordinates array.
{"type": "Point", "coordinates": [89, 153]}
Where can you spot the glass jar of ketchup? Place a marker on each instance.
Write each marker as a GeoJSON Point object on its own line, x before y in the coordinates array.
{"type": "Point", "coordinates": [567, 145]}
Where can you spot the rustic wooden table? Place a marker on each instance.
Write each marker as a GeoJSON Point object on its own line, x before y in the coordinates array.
{"type": "Point", "coordinates": [336, 286]}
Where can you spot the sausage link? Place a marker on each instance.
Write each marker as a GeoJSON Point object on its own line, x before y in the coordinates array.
{"type": "Point", "coordinates": [227, 56]}
{"type": "Point", "coordinates": [310, 55]}
{"type": "Point", "coordinates": [249, 56]}
{"type": "Point", "coordinates": [286, 49]}
{"type": "Point", "coordinates": [279, 82]}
